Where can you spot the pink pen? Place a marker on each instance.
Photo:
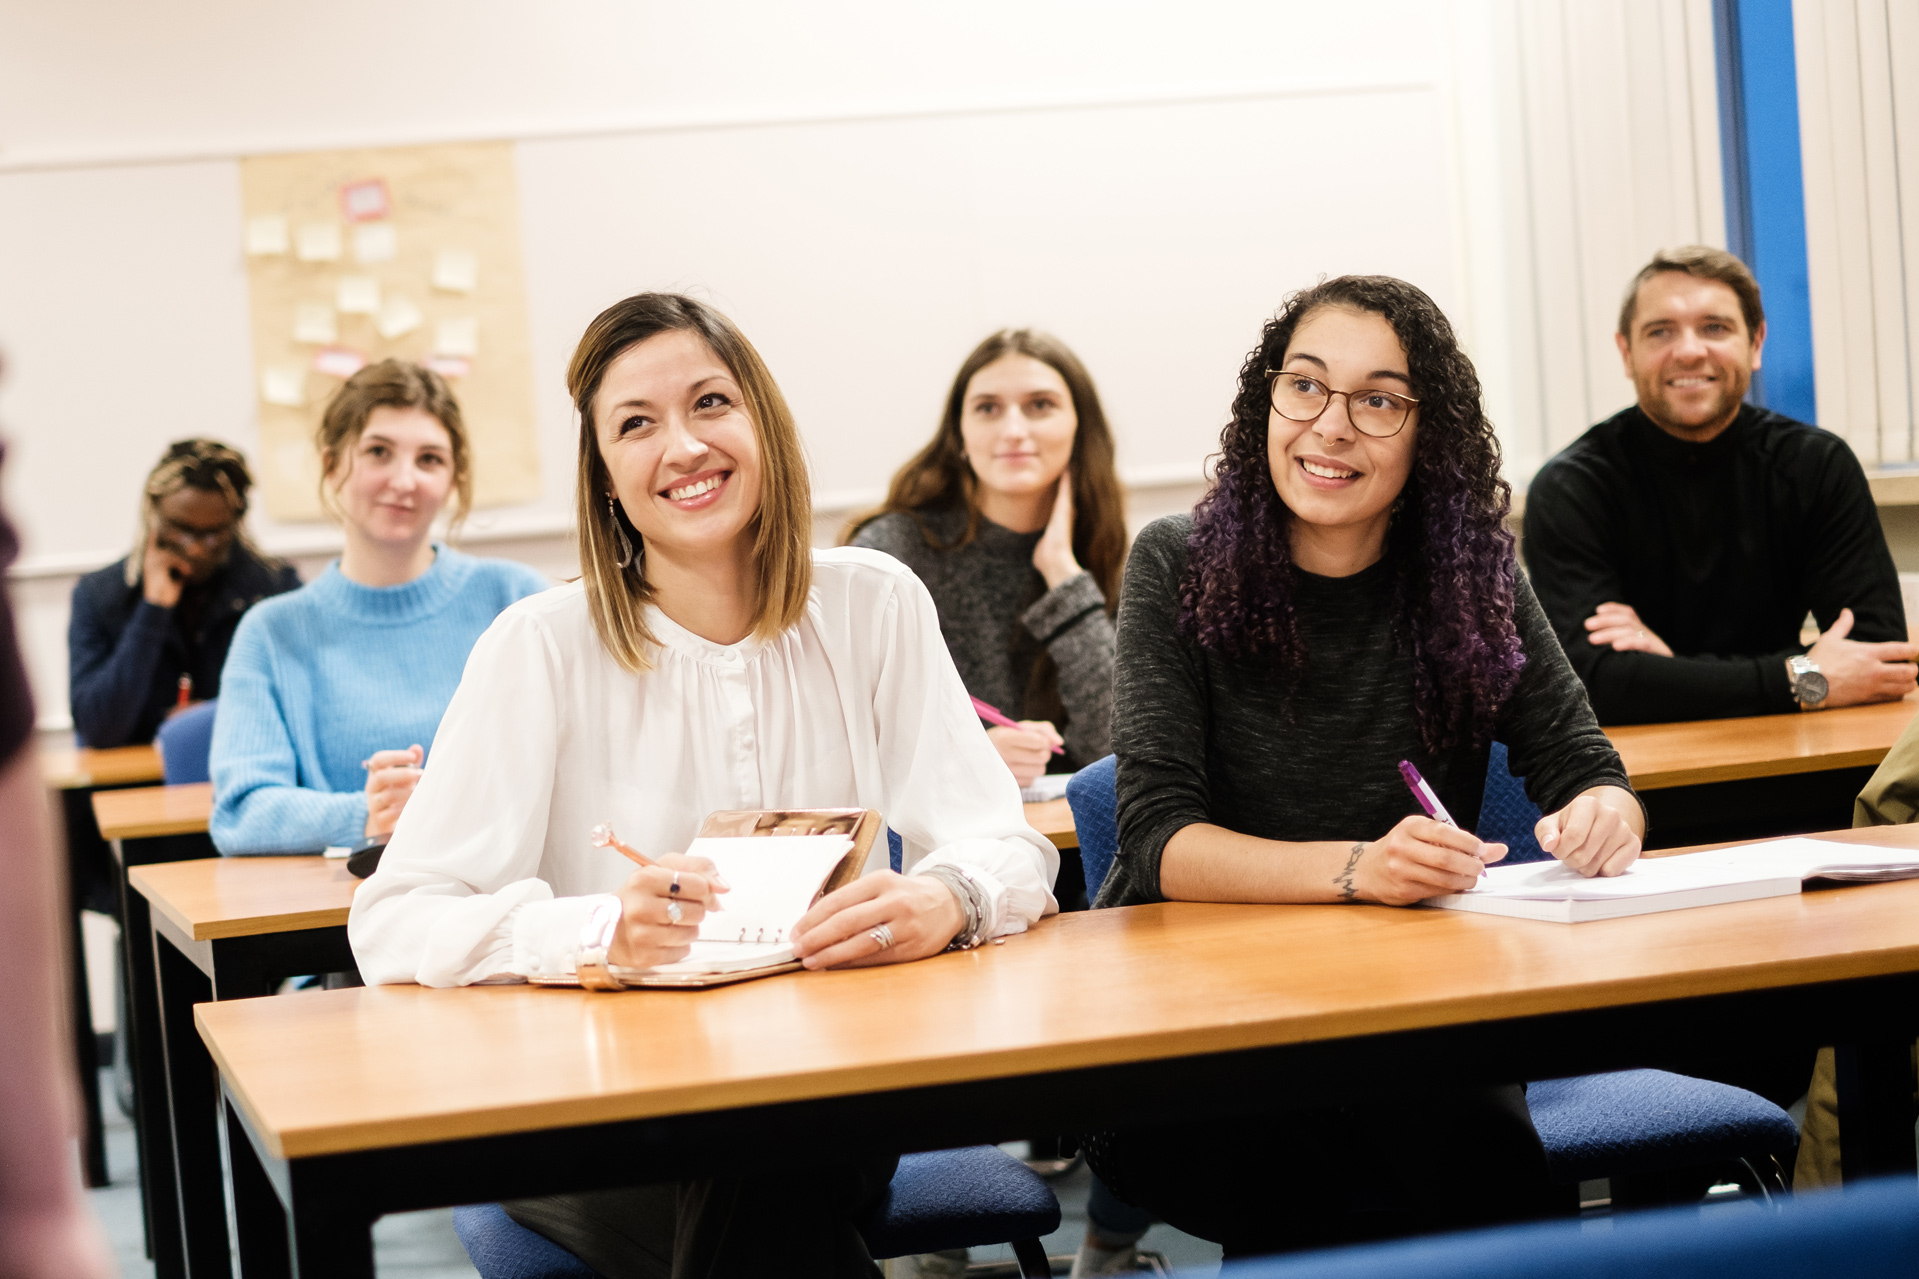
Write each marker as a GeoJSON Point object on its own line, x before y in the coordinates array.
{"type": "Point", "coordinates": [1423, 792]}
{"type": "Point", "coordinates": [992, 715]}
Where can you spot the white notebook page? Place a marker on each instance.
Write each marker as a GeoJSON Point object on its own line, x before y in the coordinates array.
{"type": "Point", "coordinates": [773, 880]}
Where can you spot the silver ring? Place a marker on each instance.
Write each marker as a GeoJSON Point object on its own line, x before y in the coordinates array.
{"type": "Point", "coordinates": [673, 912]}
{"type": "Point", "coordinates": [675, 889]}
{"type": "Point", "coordinates": [883, 935]}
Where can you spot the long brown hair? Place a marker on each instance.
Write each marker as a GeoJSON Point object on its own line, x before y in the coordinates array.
{"type": "Point", "coordinates": [396, 384]}
{"type": "Point", "coordinates": [940, 477]}
{"type": "Point", "coordinates": [782, 528]}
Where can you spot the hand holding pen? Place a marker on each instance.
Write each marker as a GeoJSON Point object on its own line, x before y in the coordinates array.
{"type": "Point", "coordinates": [1420, 857]}
{"type": "Point", "coordinates": [1025, 745]}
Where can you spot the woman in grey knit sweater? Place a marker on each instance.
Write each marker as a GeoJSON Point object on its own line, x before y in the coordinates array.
{"type": "Point", "coordinates": [1012, 517]}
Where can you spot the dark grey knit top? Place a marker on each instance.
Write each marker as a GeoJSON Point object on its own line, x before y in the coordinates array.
{"type": "Point", "coordinates": [1207, 738]}
{"type": "Point", "coordinates": [998, 617]}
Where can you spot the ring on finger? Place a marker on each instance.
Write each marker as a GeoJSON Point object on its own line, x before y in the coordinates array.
{"type": "Point", "coordinates": [673, 912]}
{"type": "Point", "coordinates": [883, 935]}
{"type": "Point", "coordinates": [675, 889]}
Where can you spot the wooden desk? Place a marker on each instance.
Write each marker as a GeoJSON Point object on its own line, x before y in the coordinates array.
{"type": "Point", "coordinates": [1053, 818]}
{"type": "Point", "coordinates": [142, 827]}
{"type": "Point", "coordinates": [361, 1102]}
{"type": "Point", "coordinates": [227, 928]}
{"type": "Point", "coordinates": [74, 773]}
{"type": "Point", "coordinates": [1758, 777]}
{"type": "Point", "coordinates": [154, 811]}
{"type": "Point", "coordinates": [78, 767]}
{"type": "Point", "coordinates": [1658, 756]}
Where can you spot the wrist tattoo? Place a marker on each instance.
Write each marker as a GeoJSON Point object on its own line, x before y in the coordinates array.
{"type": "Point", "coordinates": [1348, 889]}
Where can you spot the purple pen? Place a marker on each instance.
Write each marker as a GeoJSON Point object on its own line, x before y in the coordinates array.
{"type": "Point", "coordinates": [1423, 792]}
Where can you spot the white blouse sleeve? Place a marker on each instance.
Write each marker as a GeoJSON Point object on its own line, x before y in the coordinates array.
{"type": "Point", "coordinates": [457, 898]}
{"type": "Point", "coordinates": [947, 790]}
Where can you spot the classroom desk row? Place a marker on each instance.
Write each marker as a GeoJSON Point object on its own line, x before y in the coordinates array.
{"type": "Point", "coordinates": [344, 1105]}
{"type": "Point", "coordinates": [223, 929]}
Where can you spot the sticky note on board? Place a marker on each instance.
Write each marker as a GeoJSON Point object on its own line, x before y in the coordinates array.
{"type": "Point", "coordinates": [398, 316]}
{"type": "Point", "coordinates": [449, 365]}
{"type": "Point", "coordinates": [365, 200]}
{"type": "Point", "coordinates": [268, 235]}
{"type": "Point", "coordinates": [283, 384]}
{"type": "Point", "coordinates": [375, 242]}
{"type": "Point", "coordinates": [457, 337]}
{"type": "Point", "coordinates": [318, 242]}
{"type": "Point", "coordinates": [314, 322]}
{"type": "Point", "coordinates": [338, 361]}
{"type": "Point", "coordinates": [456, 271]}
{"type": "Point", "coordinates": [357, 295]}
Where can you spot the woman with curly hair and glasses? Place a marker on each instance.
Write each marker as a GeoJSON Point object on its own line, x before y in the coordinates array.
{"type": "Point", "coordinates": [1345, 598]}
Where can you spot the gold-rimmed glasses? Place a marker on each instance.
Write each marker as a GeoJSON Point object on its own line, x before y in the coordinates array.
{"type": "Point", "coordinates": [1301, 397]}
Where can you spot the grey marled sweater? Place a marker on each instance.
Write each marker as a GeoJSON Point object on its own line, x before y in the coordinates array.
{"type": "Point", "coordinates": [998, 617]}
{"type": "Point", "coordinates": [1206, 738]}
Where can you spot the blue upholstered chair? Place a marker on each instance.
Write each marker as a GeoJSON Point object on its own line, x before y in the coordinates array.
{"type": "Point", "coordinates": [1865, 1232]}
{"type": "Point", "coordinates": [942, 1199]}
{"type": "Point", "coordinates": [185, 742]}
{"type": "Point", "coordinates": [1094, 799]}
{"type": "Point", "coordinates": [1615, 1124]}
{"type": "Point", "coordinates": [1637, 1121]}
{"type": "Point", "coordinates": [1506, 815]}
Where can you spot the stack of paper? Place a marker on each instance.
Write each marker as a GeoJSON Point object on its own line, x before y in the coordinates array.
{"type": "Point", "coordinates": [1548, 890]}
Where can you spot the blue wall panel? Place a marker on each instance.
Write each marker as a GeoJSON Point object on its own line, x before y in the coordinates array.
{"type": "Point", "coordinates": [1765, 193]}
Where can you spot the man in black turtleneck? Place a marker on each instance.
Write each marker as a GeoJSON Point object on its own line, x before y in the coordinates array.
{"type": "Point", "coordinates": [1678, 545]}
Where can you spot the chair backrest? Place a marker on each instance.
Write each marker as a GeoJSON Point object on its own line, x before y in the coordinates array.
{"type": "Point", "coordinates": [1506, 815]}
{"type": "Point", "coordinates": [1868, 1232]}
{"type": "Point", "coordinates": [1093, 796]}
{"type": "Point", "coordinates": [185, 742]}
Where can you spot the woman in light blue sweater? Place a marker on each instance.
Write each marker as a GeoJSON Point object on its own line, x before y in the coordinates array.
{"type": "Point", "coordinates": [328, 695]}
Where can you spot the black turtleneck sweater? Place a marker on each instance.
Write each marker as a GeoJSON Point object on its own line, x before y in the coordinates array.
{"type": "Point", "coordinates": [1722, 548]}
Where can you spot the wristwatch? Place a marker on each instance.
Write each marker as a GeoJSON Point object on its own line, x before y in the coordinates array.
{"type": "Point", "coordinates": [1809, 687]}
{"type": "Point", "coordinates": [589, 961]}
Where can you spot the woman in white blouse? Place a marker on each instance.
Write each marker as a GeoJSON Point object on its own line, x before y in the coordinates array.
{"type": "Point", "coordinates": [706, 660]}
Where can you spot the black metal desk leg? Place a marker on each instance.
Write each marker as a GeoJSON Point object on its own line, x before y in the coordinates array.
{"type": "Point", "coordinates": [86, 1054]}
{"type": "Point", "coordinates": [152, 1125]}
{"type": "Point", "coordinates": [193, 1108]}
{"type": "Point", "coordinates": [259, 1217]}
{"type": "Point", "coordinates": [1875, 1110]}
{"type": "Point", "coordinates": [331, 1240]}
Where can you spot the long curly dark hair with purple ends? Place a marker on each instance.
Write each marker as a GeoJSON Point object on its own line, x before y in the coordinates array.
{"type": "Point", "coordinates": [1451, 556]}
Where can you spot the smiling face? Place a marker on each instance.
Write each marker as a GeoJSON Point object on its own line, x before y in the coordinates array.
{"type": "Point", "coordinates": [677, 441]}
{"type": "Point", "coordinates": [1689, 354]}
{"type": "Point", "coordinates": [1339, 483]}
{"type": "Point", "coordinates": [1017, 424]}
{"type": "Point", "coordinates": [395, 478]}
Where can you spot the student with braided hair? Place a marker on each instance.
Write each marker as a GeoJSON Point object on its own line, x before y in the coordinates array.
{"type": "Point", "coordinates": [168, 610]}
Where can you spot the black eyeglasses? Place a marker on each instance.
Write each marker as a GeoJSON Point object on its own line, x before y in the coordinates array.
{"type": "Point", "coordinates": [186, 536]}
{"type": "Point", "coordinates": [1298, 397]}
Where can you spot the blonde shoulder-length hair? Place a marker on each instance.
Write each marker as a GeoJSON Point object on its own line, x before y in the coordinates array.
{"type": "Point", "coordinates": [782, 527]}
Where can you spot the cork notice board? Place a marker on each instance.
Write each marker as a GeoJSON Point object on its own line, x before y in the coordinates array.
{"type": "Point", "coordinates": [410, 252]}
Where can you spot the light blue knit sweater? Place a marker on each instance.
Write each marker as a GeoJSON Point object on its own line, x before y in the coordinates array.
{"type": "Point", "coordinates": [320, 678]}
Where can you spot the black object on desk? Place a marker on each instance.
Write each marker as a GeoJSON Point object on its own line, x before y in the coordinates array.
{"type": "Point", "coordinates": [365, 857]}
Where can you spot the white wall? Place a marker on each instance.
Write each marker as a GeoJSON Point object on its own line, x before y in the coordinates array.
{"type": "Point", "coordinates": [868, 188]}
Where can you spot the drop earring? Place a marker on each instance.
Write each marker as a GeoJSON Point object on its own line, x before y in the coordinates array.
{"type": "Point", "coordinates": [619, 532]}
